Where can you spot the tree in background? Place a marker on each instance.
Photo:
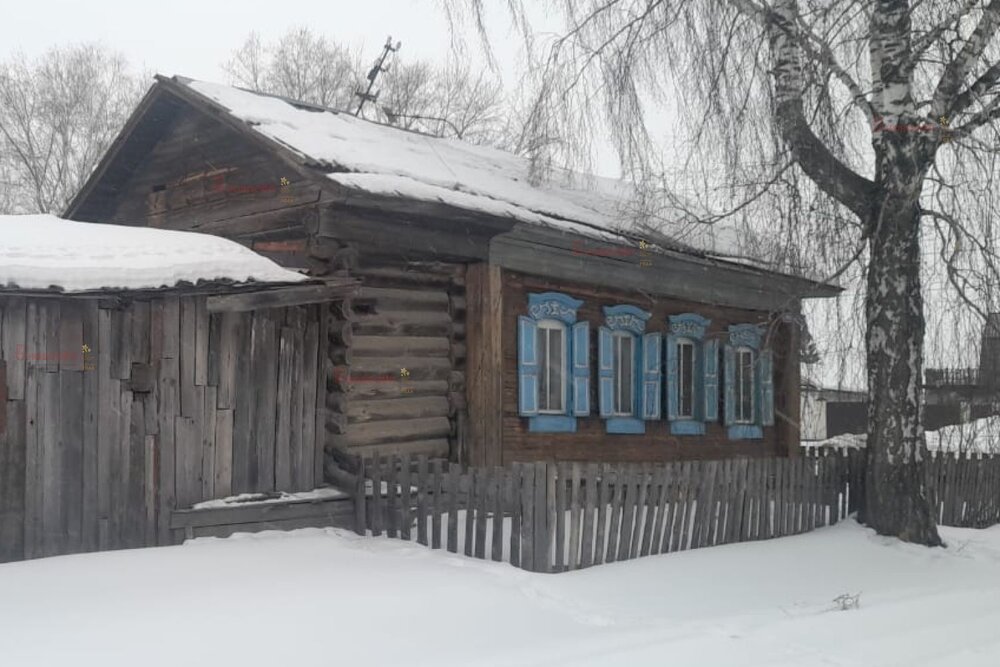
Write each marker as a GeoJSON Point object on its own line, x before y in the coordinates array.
{"type": "Point", "coordinates": [449, 101]}
{"type": "Point", "coordinates": [863, 132]}
{"type": "Point", "coordinates": [59, 114]}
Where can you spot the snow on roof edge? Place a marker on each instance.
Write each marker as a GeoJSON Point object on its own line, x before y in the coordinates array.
{"type": "Point", "coordinates": [43, 253]}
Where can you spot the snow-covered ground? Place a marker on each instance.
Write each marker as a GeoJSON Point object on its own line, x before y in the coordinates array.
{"type": "Point", "coordinates": [328, 597]}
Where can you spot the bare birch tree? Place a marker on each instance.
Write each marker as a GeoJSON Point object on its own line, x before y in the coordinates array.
{"type": "Point", "coordinates": [864, 131]}
{"type": "Point", "coordinates": [58, 116]}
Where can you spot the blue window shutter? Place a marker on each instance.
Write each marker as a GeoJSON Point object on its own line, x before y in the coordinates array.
{"type": "Point", "coordinates": [527, 367]}
{"type": "Point", "coordinates": [710, 380]}
{"type": "Point", "coordinates": [766, 384]}
{"type": "Point", "coordinates": [652, 377]}
{"type": "Point", "coordinates": [729, 367]}
{"type": "Point", "coordinates": [671, 377]}
{"type": "Point", "coordinates": [581, 369]}
{"type": "Point", "coordinates": [605, 369]}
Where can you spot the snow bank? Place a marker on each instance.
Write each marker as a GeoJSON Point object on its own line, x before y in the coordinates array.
{"type": "Point", "coordinates": [330, 597]}
{"type": "Point", "coordinates": [386, 160]}
{"type": "Point", "coordinates": [45, 252]}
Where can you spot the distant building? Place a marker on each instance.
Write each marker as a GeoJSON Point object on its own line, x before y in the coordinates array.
{"type": "Point", "coordinates": [951, 396]}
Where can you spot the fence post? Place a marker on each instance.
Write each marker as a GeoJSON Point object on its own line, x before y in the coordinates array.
{"type": "Point", "coordinates": [360, 497]}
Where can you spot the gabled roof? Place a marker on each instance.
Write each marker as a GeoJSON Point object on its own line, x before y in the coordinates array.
{"type": "Point", "coordinates": [362, 160]}
{"type": "Point", "coordinates": [381, 159]}
{"type": "Point", "coordinates": [46, 253]}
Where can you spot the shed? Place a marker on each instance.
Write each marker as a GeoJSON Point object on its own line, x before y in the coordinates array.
{"type": "Point", "coordinates": [143, 371]}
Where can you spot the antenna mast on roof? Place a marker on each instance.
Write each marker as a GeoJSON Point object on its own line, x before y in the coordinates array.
{"type": "Point", "coordinates": [379, 67]}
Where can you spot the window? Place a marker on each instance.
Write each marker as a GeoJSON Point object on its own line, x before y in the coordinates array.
{"type": "Point", "coordinates": [624, 373]}
{"type": "Point", "coordinates": [628, 362]}
{"type": "Point", "coordinates": [551, 362]}
{"type": "Point", "coordinates": [749, 371]}
{"type": "Point", "coordinates": [692, 373]}
{"type": "Point", "coordinates": [685, 379]}
{"type": "Point", "coordinates": [744, 385]}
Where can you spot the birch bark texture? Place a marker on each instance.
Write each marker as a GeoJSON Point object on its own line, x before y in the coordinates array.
{"type": "Point", "coordinates": [847, 129]}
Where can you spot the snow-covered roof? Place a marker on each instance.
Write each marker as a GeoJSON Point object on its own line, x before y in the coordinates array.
{"type": "Point", "coordinates": [43, 252]}
{"type": "Point", "coordinates": [384, 160]}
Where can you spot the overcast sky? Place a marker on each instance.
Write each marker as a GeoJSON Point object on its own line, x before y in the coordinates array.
{"type": "Point", "coordinates": [194, 37]}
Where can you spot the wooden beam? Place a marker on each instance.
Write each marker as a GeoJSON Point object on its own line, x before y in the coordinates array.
{"type": "Point", "coordinates": [552, 254]}
{"type": "Point", "coordinates": [484, 370]}
{"type": "Point", "coordinates": [280, 297]}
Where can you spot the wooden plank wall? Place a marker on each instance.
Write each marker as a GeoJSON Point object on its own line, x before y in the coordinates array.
{"type": "Point", "coordinates": [398, 373]}
{"type": "Point", "coordinates": [114, 414]}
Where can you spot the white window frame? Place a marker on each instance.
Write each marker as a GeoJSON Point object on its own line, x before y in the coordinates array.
{"type": "Point", "coordinates": [616, 336]}
{"type": "Point", "coordinates": [545, 326]}
{"type": "Point", "coordinates": [738, 388]}
{"type": "Point", "coordinates": [681, 343]}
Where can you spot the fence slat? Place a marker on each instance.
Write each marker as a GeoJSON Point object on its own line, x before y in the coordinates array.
{"type": "Point", "coordinates": [590, 504]}
{"type": "Point", "coordinates": [468, 490]}
{"type": "Point", "coordinates": [513, 500]}
{"type": "Point", "coordinates": [405, 518]}
{"type": "Point", "coordinates": [392, 496]}
{"type": "Point", "coordinates": [560, 559]}
{"type": "Point", "coordinates": [454, 482]}
{"type": "Point", "coordinates": [422, 499]}
{"type": "Point", "coordinates": [497, 488]}
{"type": "Point", "coordinates": [377, 515]}
{"type": "Point", "coordinates": [574, 528]}
{"type": "Point", "coordinates": [438, 508]}
{"type": "Point", "coordinates": [528, 517]}
{"type": "Point", "coordinates": [603, 500]}
{"type": "Point", "coordinates": [618, 500]}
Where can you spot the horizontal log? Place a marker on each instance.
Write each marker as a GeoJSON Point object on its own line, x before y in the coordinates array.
{"type": "Point", "coordinates": [279, 297]}
{"type": "Point", "coordinates": [457, 352]}
{"type": "Point", "coordinates": [412, 387]}
{"type": "Point", "coordinates": [400, 430]}
{"type": "Point", "coordinates": [432, 448]}
{"type": "Point", "coordinates": [457, 303]}
{"type": "Point", "coordinates": [404, 298]}
{"type": "Point", "coordinates": [411, 323]}
{"type": "Point", "coordinates": [408, 407]}
{"type": "Point", "coordinates": [401, 346]}
{"type": "Point", "coordinates": [403, 369]}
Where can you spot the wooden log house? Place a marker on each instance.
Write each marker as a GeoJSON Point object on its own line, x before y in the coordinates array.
{"type": "Point", "coordinates": [497, 319]}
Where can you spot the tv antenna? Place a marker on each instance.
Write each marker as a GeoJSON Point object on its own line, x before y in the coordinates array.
{"type": "Point", "coordinates": [380, 66]}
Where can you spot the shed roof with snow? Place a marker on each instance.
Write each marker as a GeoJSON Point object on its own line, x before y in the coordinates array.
{"type": "Point", "coordinates": [43, 252]}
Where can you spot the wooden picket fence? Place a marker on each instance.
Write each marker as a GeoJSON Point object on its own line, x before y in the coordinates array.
{"type": "Point", "coordinates": [965, 488]}
{"type": "Point", "coordinates": [558, 516]}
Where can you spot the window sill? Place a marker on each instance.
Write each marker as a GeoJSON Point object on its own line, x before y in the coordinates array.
{"type": "Point", "coordinates": [687, 427]}
{"type": "Point", "coordinates": [625, 425]}
{"type": "Point", "coordinates": [745, 432]}
{"type": "Point", "coordinates": [552, 424]}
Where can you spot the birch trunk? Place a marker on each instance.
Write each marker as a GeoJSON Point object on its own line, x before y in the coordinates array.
{"type": "Point", "coordinates": [896, 500]}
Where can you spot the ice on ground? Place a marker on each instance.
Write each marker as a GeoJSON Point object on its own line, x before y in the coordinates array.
{"type": "Point", "coordinates": [330, 597]}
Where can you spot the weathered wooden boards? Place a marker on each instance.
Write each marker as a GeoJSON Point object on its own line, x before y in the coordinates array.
{"type": "Point", "coordinates": [115, 414]}
{"type": "Point", "coordinates": [555, 516]}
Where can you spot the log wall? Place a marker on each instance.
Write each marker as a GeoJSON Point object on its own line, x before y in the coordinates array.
{"type": "Point", "coordinates": [115, 413]}
{"type": "Point", "coordinates": [397, 349]}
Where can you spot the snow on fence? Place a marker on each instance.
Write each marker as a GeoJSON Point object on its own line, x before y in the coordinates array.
{"type": "Point", "coordinates": [559, 516]}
